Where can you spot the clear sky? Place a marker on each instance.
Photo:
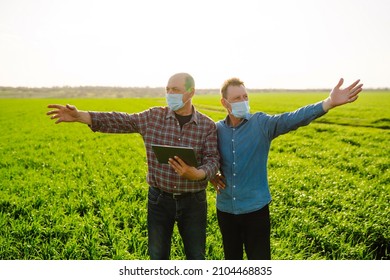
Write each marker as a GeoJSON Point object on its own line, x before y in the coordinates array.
{"type": "Point", "coordinates": [267, 43]}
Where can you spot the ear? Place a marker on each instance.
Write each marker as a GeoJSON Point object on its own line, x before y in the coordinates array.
{"type": "Point", "coordinates": [224, 104]}
{"type": "Point", "coordinates": [192, 92]}
{"type": "Point", "coordinates": [188, 95]}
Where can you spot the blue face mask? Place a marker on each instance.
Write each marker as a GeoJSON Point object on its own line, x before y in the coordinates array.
{"type": "Point", "coordinates": [175, 101]}
{"type": "Point", "coordinates": [240, 109]}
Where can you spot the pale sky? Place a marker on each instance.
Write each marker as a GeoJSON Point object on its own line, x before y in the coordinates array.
{"type": "Point", "coordinates": [127, 43]}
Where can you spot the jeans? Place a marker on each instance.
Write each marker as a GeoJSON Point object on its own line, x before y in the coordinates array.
{"type": "Point", "coordinates": [190, 213]}
{"type": "Point", "coordinates": [251, 230]}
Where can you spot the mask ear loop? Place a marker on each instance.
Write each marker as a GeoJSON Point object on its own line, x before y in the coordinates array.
{"type": "Point", "coordinates": [229, 110]}
{"type": "Point", "coordinates": [191, 94]}
{"type": "Point", "coordinates": [184, 103]}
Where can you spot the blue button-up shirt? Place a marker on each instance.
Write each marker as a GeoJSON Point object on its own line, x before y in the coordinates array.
{"type": "Point", "coordinates": [244, 153]}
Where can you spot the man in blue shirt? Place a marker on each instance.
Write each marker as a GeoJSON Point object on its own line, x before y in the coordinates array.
{"type": "Point", "coordinates": [244, 141]}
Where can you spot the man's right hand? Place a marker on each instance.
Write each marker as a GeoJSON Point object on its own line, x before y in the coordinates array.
{"type": "Point", "coordinates": [68, 113]}
{"type": "Point", "coordinates": [218, 182]}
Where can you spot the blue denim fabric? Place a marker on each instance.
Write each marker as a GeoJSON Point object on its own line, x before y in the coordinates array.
{"type": "Point", "coordinates": [244, 154]}
{"type": "Point", "coordinates": [189, 212]}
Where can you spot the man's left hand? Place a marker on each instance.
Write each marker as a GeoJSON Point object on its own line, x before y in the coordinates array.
{"type": "Point", "coordinates": [340, 96]}
{"type": "Point", "coordinates": [186, 171]}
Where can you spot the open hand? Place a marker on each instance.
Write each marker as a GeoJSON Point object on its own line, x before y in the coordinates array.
{"type": "Point", "coordinates": [66, 113]}
{"type": "Point", "coordinates": [340, 96]}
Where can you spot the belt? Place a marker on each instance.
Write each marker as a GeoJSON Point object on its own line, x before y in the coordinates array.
{"type": "Point", "coordinates": [174, 195]}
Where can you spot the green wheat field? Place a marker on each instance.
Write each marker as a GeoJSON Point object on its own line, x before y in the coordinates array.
{"type": "Point", "coordinates": [69, 193]}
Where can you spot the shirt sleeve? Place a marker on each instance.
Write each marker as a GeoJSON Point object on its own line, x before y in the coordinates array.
{"type": "Point", "coordinates": [210, 163]}
{"type": "Point", "coordinates": [283, 123]}
{"type": "Point", "coordinates": [115, 122]}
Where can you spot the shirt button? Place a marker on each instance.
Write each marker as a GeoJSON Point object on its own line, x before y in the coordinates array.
{"type": "Point", "coordinates": [234, 163]}
{"type": "Point", "coordinates": [232, 140]}
{"type": "Point", "coordinates": [234, 186]}
{"type": "Point", "coordinates": [234, 174]}
{"type": "Point", "coordinates": [179, 139]}
{"type": "Point", "coordinates": [234, 198]}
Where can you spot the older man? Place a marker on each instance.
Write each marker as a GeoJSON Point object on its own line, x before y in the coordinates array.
{"type": "Point", "coordinates": [177, 191]}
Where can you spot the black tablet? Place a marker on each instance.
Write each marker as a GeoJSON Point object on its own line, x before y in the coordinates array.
{"type": "Point", "coordinates": [164, 152]}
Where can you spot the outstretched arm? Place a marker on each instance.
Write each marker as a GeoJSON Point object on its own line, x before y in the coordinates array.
{"type": "Point", "coordinates": [340, 96]}
{"type": "Point", "coordinates": [68, 113]}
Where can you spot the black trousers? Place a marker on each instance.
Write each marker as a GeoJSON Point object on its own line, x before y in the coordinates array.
{"type": "Point", "coordinates": [250, 231]}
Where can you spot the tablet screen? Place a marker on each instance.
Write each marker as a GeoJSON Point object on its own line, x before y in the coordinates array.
{"type": "Point", "coordinates": [164, 152]}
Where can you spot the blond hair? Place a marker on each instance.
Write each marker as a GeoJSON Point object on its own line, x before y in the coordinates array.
{"type": "Point", "coordinates": [230, 82]}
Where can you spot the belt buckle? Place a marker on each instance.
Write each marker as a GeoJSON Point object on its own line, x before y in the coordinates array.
{"type": "Point", "coordinates": [176, 195]}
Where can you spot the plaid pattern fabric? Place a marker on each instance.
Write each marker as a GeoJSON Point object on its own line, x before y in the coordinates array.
{"type": "Point", "coordinates": [158, 125]}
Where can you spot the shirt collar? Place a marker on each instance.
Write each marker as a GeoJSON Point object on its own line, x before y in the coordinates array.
{"type": "Point", "coordinates": [194, 118]}
{"type": "Point", "coordinates": [244, 120]}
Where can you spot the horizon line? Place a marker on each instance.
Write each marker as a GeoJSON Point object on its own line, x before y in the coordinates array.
{"type": "Point", "coordinates": [161, 87]}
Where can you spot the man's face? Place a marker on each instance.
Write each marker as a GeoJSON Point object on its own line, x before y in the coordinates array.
{"type": "Point", "coordinates": [234, 94]}
{"type": "Point", "coordinates": [176, 85]}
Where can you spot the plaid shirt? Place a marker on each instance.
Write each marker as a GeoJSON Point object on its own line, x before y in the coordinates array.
{"type": "Point", "coordinates": [158, 125]}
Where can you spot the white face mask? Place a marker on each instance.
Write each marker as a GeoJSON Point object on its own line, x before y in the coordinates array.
{"type": "Point", "coordinates": [175, 101]}
{"type": "Point", "coordinates": [240, 109]}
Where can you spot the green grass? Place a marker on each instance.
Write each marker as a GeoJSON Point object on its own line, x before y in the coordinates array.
{"type": "Point", "coordinates": [68, 193]}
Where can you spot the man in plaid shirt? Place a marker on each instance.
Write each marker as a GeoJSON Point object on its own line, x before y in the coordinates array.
{"type": "Point", "coordinates": [177, 191]}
